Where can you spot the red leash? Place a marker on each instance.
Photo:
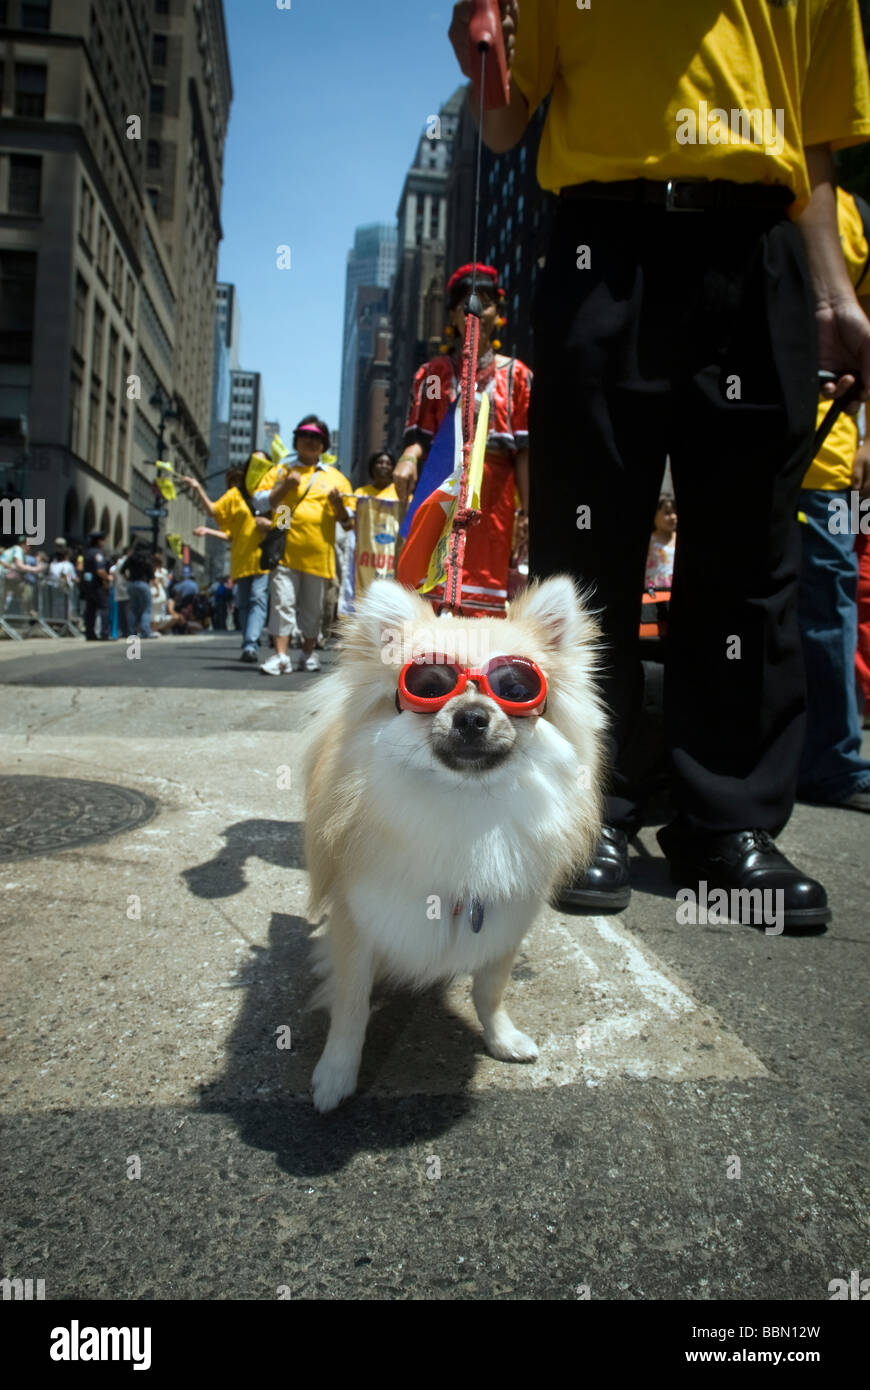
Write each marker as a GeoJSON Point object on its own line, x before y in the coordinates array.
{"type": "Point", "coordinates": [493, 89]}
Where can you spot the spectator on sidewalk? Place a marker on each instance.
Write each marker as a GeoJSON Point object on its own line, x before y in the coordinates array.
{"type": "Point", "coordinates": [662, 546]}
{"type": "Point", "coordinates": [315, 496]}
{"type": "Point", "coordinates": [121, 594]}
{"type": "Point", "coordinates": [693, 288]}
{"type": "Point", "coordinates": [138, 572]}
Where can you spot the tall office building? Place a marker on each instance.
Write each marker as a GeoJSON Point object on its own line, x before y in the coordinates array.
{"type": "Point", "coordinates": [189, 97]}
{"type": "Point", "coordinates": [417, 298]}
{"type": "Point", "coordinates": [227, 335]}
{"type": "Point", "coordinates": [371, 262]}
{"type": "Point", "coordinates": [114, 116]}
{"type": "Point", "coordinates": [247, 424]}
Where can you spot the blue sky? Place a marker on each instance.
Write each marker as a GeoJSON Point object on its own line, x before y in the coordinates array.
{"type": "Point", "coordinates": [330, 99]}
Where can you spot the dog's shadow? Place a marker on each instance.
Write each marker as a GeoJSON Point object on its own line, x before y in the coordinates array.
{"type": "Point", "coordinates": [416, 1048]}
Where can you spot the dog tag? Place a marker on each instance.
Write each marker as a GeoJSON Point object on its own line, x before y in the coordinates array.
{"type": "Point", "coordinates": [475, 912]}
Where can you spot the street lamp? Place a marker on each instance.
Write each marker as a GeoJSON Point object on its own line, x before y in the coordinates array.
{"type": "Point", "coordinates": [160, 401]}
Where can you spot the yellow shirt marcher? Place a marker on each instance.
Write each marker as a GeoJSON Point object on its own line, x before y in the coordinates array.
{"type": "Point", "coordinates": [233, 515]}
{"type": "Point", "coordinates": [766, 80]}
{"type": "Point", "coordinates": [831, 469]}
{"type": "Point", "coordinates": [311, 537]}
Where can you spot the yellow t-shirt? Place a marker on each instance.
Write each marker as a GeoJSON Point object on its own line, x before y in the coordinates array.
{"type": "Point", "coordinates": [629, 80]}
{"type": "Point", "coordinates": [232, 514]}
{"type": "Point", "coordinates": [831, 469]}
{"type": "Point", "coordinates": [311, 538]}
{"type": "Point", "coordinates": [386, 494]}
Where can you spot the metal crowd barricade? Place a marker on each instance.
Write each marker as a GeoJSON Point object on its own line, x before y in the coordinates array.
{"type": "Point", "coordinates": [37, 608]}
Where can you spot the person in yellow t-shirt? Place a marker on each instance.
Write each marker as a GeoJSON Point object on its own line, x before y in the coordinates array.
{"type": "Point", "coordinates": [236, 523]}
{"type": "Point", "coordinates": [832, 770]}
{"type": "Point", "coordinates": [693, 288]}
{"type": "Point", "coordinates": [308, 497]}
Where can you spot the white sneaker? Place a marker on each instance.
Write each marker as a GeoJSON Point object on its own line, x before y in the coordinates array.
{"type": "Point", "coordinates": [312, 662]}
{"type": "Point", "coordinates": [276, 666]}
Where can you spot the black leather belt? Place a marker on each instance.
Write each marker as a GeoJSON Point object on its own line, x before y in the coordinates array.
{"type": "Point", "coordinates": [683, 195]}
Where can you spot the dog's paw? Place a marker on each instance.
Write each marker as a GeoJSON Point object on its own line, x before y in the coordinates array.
{"type": "Point", "coordinates": [333, 1081]}
{"type": "Point", "coordinates": [510, 1045]}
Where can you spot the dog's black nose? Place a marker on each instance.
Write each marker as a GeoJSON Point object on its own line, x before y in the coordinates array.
{"type": "Point", "coordinates": [470, 723]}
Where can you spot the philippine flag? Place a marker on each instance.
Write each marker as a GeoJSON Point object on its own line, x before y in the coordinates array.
{"type": "Point", "coordinates": [422, 560]}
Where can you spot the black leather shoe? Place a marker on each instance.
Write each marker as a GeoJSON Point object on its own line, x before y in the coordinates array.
{"type": "Point", "coordinates": [746, 859]}
{"type": "Point", "coordinates": [604, 886]}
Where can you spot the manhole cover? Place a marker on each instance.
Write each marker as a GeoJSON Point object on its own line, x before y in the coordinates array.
{"type": "Point", "coordinates": [40, 815]}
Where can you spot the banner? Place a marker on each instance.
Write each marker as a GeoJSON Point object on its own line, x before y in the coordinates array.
{"type": "Point", "coordinates": [377, 526]}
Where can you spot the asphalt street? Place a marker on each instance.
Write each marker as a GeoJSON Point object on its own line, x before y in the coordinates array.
{"type": "Point", "coordinates": [695, 1127]}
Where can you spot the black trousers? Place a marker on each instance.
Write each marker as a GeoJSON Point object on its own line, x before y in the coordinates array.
{"type": "Point", "coordinates": [97, 604]}
{"type": "Point", "coordinates": [691, 334]}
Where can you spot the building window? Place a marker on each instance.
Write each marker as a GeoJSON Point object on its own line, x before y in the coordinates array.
{"type": "Point", "coordinates": [108, 439]}
{"type": "Point", "coordinates": [36, 14]}
{"type": "Point", "coordinates": [153, 198]}
{"type": "Point", "coordinates": [99, 334]}
{"type": "Point", "coordinates": [75, 412]}
{"type": "Point", "coordinates": [86, 215]}
{"type": "Point", "coordinates": [158, 50]}
{"type": "Point", "coordinates": [121, 459]}
{"type": "Point", "coordinates": [80, 309]}
{"type": "Point", "coordinates": [153, 160]}
{"type": "Point", "coordinates": [25, 182]}
{"type": "Point", "coordinates": [112, 368]}
{"type": "Point", "coordinates": [103, 248]}
{"type": "Point", "coordinates": [161, 6]}
{"type": "Point", "coordinates": [17, 294]}
{"type": "Point", "coordinates": [117, 278]}
{"type": "Point", "coordinates": [130, 301]}
{"type": "Point", "coordinates": [30, 81]}
{"type": "Point", "coordinates": [93, 426]}
{"type": "Point", "coordinates": [157, 100]}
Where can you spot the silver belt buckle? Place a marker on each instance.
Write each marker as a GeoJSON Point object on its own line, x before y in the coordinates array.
{"type": "Point", "coordinates": [670, 195]}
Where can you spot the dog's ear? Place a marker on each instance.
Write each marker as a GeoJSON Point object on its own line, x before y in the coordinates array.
{"type": "Point", "coordinates": [555, 608]}
{"type": "Point", "coordinates": [388, 617]}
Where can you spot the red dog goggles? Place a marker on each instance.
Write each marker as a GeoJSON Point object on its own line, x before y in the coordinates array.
{"type": "Point", "coordinates": [516, 684]}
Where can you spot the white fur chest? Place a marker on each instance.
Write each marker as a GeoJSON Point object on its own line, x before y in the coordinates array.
{"type": "Point", "coordinates": [418, 935]}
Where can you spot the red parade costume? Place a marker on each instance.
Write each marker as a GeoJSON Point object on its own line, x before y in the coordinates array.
{"type": "Point", "coordinates": [488, 552]}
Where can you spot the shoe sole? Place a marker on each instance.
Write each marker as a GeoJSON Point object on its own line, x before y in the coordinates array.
{"type": "Point", "coordinates": [592, 901]}
{"type": "Point", "coordinates": [797, 917]}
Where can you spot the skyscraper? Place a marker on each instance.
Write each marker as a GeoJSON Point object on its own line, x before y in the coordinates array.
{"type": "Point", "coordinates": [371, 263]}
{"type": "Point", "coordinates": [114, 118]}
{"type": "Point", "coordinates": [417, 298]}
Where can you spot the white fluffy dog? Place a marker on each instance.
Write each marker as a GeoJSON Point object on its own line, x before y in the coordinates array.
{"type": "Point", "coordinates": [449, 791]}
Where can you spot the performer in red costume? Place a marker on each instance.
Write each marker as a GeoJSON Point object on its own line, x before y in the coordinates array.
{"type": "Point", "coordinates": [507, 381]}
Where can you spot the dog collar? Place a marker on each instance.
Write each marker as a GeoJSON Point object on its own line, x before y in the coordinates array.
{"type": "Point", "coordinates": [475, 909]}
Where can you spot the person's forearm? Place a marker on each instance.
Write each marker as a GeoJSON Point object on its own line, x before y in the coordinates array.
{"type": "Point", "coordinates": [818, 227]}
{"type": "Point", "coordinates": [504, 127]}
{"type": "Point", "coordinates": [280, 490]}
